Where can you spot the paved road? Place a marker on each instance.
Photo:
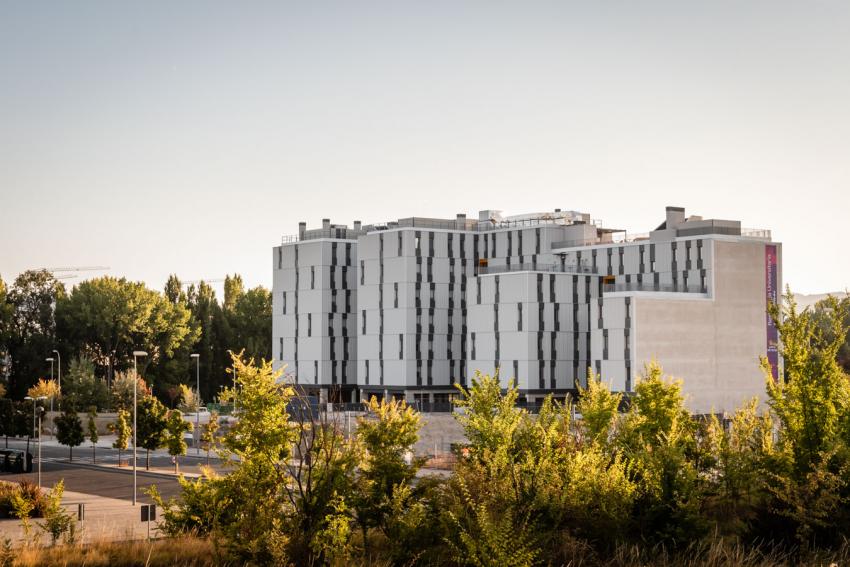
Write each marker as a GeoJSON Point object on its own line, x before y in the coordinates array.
{"type": "Point", "coordinates": [160, 461]}
{"type": "Point", "coordinates": [106, 482]}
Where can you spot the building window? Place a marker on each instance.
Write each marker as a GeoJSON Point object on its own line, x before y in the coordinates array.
{"type": "Point", "coordinates": [280, 257]}
{"type": "Point", "coordinates": [280, 350]}
{"type": "Point", "coordinates": [363, 313]}
{"type": "Point", "coordinates": [309, 324]}
{"type": "Point", "coordinates": [519, 316]}
{"type": "Point", "coordinates": [395, 295]}
{"type": "Point", "coordinates": [362, 272]}
{"type": "Point", "coordinates": [283, 295]}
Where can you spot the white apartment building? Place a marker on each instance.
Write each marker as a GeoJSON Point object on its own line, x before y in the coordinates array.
{"type": "Point", "coordinates": [412, 307]}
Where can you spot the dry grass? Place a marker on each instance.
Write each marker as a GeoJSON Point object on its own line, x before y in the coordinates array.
{"type": "Point", "coordinates": [195, 552]}
{"type": "Point", "coordinates": [179, 552]}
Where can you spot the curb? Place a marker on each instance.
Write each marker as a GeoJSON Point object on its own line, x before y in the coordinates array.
{"type": "Point", "coordinates": [126, 470]}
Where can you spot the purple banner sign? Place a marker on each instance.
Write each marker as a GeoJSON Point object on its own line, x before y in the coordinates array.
{"type": "Point", "coordinates": [771, 263]}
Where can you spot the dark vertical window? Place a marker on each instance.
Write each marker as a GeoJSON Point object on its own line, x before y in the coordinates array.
{"type": "Point", "coordinates": [283, 295]}
{"type": "Point", "coordinates": [362, 272]}
{"type": "Point", "coordinates": [309, 324]}
{"type": "Point", "coordinates": [400, 346]}
{"type": "Point", "coordinates": [400, 243]}
{"type": "Point", "coordinates": [519, 316]}
{"type": "Point", "coordinates": [280, 257]}
{"type": "Point", "coordinates": [363, 314]}
{"type": "Point", "coordinates": [312, 277]}
{"type": "Point", "coordinates": [280, 351]}
{"type": "Point", "coordinates": [395, 295]}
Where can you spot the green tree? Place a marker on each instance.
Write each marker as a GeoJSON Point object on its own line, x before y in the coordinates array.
{"type": "Point", "coordinates": [151, 426]}
{"type": "Point", "coordinates": [250, 321]}
{"type": "Point", "coordinates": [108, 318]}
{"type": "Point", "coordinates": [69, 431]}
{"type": "Point", "coordinates": [122, 429]}
{"type": "Point", "coordinates": [174, 290]}
{"type": "Point", "coordinates": [175, 427]}
{"type": "Point", "coordinates": [32, 297]}
{"type": "Point", "coordinates": [657, 437]}
{"type": "Point", "coordinates": [92, 429]}
{"type": "Point", "coordinates": [233, 291]}
{"type": "Point", "coordinates": [208, 435]}
{"type": "Point", "coordinates": [123, 385]}
{"type": "Point", "coordinates": [812, 404]}
{"type": "Point", "coordinates": [57, 521]}
{"type": "Point", "coordinates": [189, 401]}
{"type": "Point", "coordinates": [598, 408]}
{"type": "Point", "coordinates": [81, 388]}
{"type": "Point", "coordinates": [387, 463]}
{"type": "Point", "coordinates": [7, 312]}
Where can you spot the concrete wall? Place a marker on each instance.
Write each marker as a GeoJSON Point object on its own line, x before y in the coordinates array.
{"type": "Point", "coordinates": [713, 344]}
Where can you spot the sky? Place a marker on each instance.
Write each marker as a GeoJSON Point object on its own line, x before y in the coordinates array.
{"type": "Point", "coordinates": [188, 137]}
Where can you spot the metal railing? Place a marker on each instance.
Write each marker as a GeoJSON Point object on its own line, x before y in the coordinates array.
{"type": "Point", "coordinates": [756, 233]}
{"type": "Point", "coordinates": [667, 288]}
{"type": "Point", "coordinates": [625, 239]}
{"type": "Point", "coordinates": [532, 267]}
{"type": "Point", "coordinates": [317, 233]}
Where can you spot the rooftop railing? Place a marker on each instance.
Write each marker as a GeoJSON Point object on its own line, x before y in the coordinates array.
{"type": "Point", "coordinates": [653, 287]}
{"type": "Point", "coordinates": [617, 239]}
{"type": "Point", "coordinates": [317, 233]}
{"type": "Point", "coordinates": [756, 233]}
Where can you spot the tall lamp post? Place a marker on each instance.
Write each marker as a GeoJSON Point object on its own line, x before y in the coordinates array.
{"type": "Point", "coordinates": [197, 358]}
{"type": "Point", "coordinates": [34, 400]}
{"type": "Point", "coordinates": [50, 360]}
{"type": "Point", "coordinates": [136, 355]}
{"type": "Point", "coordinates": [59, 365]}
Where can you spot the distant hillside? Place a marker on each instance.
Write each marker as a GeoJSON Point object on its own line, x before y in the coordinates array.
{"type": "Point", "coordinates": [804, 301]}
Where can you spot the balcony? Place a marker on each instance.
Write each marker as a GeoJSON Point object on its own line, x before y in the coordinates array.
{"type": "Point", "coordinates": [528, 267]}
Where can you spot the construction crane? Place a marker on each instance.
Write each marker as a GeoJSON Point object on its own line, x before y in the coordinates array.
{"type": "Point", "coordinates": [196, 282]}
{"type": "Point", "coordinates": [78, 269]}
{"type": "Point", "coordinates": [57, 272]}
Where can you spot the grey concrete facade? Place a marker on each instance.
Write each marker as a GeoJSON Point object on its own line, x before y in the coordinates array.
{"type": "Point", "coordinates": [412, 307]}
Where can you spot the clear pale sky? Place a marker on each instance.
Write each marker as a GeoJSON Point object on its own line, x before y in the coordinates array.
{"type": "Point", "coordinates": [187, 137]}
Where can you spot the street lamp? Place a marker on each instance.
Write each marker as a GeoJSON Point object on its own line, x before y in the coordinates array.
{"type": "Point", "coordinates": [136, 354]}
{"type": "Point", "coordinates": [34, 400]}
{"type": "Point", "coordinates": [197, 358]}
{"type": "Point", "coordinates": [50, 360]}
{"type": "Point", "coordinates": [59, 364]}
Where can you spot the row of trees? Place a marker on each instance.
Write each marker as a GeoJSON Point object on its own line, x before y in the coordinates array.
{"type": "Point", "coordinates": [99, 323]}
{"type": "Point", "coordinates": [544, 489]}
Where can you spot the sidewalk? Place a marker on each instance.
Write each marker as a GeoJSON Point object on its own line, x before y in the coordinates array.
{"type": "Point", "coordinates": [106, 519]}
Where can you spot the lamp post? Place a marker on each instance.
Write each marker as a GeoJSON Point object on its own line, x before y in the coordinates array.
{"type": "Point", "coordinates": [59, 364]}
{"type": "Point", "coordinates": [197, 358]}
{"type": "Point", "coordinates": [34, 400]}
{"type": "Point", "coordinates": [50, 360]}
{"type": "Point", "coordinates": [136, 354]}
{"type": "Point", "coordinates": [40, 413]}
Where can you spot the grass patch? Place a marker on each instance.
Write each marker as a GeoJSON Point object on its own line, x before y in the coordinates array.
{"type": "Point", "coordinates": [179, 552]}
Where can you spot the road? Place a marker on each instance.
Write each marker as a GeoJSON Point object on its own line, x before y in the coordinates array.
{"type": "Point", "coordinates": [108, 481]}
